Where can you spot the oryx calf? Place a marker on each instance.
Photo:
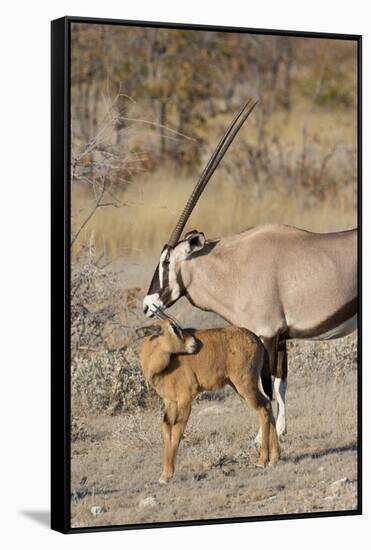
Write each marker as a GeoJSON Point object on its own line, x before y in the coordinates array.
{"type": "Point", "coordinates": [179, 364]}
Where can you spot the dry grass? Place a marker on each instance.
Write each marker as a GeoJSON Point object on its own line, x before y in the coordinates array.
{"type": "Point", "coordinates": [116, 460]}
{"type": "Point", "coordinates": [117, 465]}
{"type": "Point", "coordinates": [142, 228]}
{"type": "Point", "coordinates": [320, 197]}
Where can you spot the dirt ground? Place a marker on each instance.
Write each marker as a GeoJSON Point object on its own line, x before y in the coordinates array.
{"type": "Point", "coordinates": [117, 460]}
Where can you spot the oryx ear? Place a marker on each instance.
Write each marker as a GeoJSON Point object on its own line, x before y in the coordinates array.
{"type": "Point", "coordinates": [195, 241]}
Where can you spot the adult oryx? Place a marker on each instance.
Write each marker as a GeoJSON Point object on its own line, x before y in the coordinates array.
{"type": "Point", "coordinates": [278, 281]}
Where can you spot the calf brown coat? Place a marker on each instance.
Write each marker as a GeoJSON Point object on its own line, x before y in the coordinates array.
{"type": "Point", "coordinates": [180, 364]}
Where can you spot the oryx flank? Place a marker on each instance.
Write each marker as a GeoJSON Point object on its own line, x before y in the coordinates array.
{"type": "Point", "coordinates": [278, 281]}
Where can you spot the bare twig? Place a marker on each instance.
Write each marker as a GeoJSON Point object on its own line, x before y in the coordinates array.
{"type": "Point", "coordinates": [158, 125]}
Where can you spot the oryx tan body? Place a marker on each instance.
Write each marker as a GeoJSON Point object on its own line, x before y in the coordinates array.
{"type": "Point", "coordinates": [277, 280]}
{"type": "Point", "coordinates": [230, 355]}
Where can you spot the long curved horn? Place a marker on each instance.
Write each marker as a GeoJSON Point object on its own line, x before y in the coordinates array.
{"type": "Point", "coordinates": [161, 314]}
{"type": "Point", "coordinates": [158, 312]}
{"type": "Point", "coordinates": [210, 168]}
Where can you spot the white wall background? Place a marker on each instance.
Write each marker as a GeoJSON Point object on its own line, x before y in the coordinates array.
{"type": "Point", "coordinates": [24, 274]}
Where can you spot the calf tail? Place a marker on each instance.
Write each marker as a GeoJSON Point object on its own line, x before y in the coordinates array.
{"type": "Point", "coordinates": [265, 376]}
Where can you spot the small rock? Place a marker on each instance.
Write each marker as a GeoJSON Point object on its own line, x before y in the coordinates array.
{"type": "Point", "coordinates": [320, 469]}
{"type": "Point", "coordinates": [149, 502]}
{"type": "Point", "coordinates": [228, 471]}
{"type": "Point", "coordinates": [211, 410]}
{"type": "Point", "coordinates": [78, 495]}
{"type": "Point", "coordinates": [336, 485]}
{"type": "Point", "coordinates": [273, 497]}
{"type": "Point", "coordinates": [199, 477]}
{"type": "Point", "coordinates": [96, 510]}
{"type": "Point", "coordinates": [340, 482]}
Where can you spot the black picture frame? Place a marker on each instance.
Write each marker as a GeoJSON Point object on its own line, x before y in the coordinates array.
{"type": "Point", "coordinates": [60, 272]}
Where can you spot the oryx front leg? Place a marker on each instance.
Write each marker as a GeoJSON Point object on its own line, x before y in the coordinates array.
{"type": "Point", "coordinates": [271, 345]}
{"type": "Point", "coordinates": [279, 389]}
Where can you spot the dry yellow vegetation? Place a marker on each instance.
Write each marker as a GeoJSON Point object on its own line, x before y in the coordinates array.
{"type": "Point", "coordinates": [233, 200]}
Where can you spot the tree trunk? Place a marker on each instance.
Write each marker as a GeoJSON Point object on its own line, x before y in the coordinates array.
{"type": "Point", "coordinates": [162, 129]}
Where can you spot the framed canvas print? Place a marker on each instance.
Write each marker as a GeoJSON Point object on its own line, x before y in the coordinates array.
{"type": "Point", "coordinates": [206, 218]}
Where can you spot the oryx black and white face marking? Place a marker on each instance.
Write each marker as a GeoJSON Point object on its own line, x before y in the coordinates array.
{"type": "Point", "coordinates": [164, 289]}
{"type": "Point", "coordinates": [166, 286]}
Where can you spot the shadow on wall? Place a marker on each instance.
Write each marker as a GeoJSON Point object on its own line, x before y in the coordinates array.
{"type": "Point", "coordinates": [42, 517]}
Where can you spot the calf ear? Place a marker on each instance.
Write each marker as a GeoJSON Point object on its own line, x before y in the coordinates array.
{"type": "Point", "coordinates": [177, 331]}
{"type": "Point", "coordinates": [149, 330]}
{"type": "Point", "coordinates": [195, 241]}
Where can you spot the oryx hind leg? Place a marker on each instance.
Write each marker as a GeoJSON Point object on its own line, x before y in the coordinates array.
{"type": "Point", "coordinates": [278, 368]}
{"type": "Point", "coordinates": [279, 388]}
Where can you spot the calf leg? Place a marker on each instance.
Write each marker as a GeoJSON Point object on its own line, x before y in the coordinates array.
{"type": "Point", "coordinates": [263, 417]}
{"type": "Point", "coordinates": [168, 467]}
{"type": "Point", "coordinates": [269, 441]}
{"type": "Point", "coordinates": [173, 427]}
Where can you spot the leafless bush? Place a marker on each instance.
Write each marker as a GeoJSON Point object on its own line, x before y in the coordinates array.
{"type": "Point", "coordinates": [109, 382]}
{"type": "Point", "coordinates": [101, 166]}
{"type": "Point", "coordinates": [78, 429]}
{"type": "Point", "coordinates": [138, 430]}
{"type": "Point", "coordinates": [95, 292]}
{"type": "Point", "coordinates": [106, 376]}
{"type": "Point", "coordinates": [104, 155]}
{"type": "Point", "coordinates": [104, 165]}
{"type": "Point", "coordinates": [305, 168]}
{"type": "Point", "coordinates": [336, 357]}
